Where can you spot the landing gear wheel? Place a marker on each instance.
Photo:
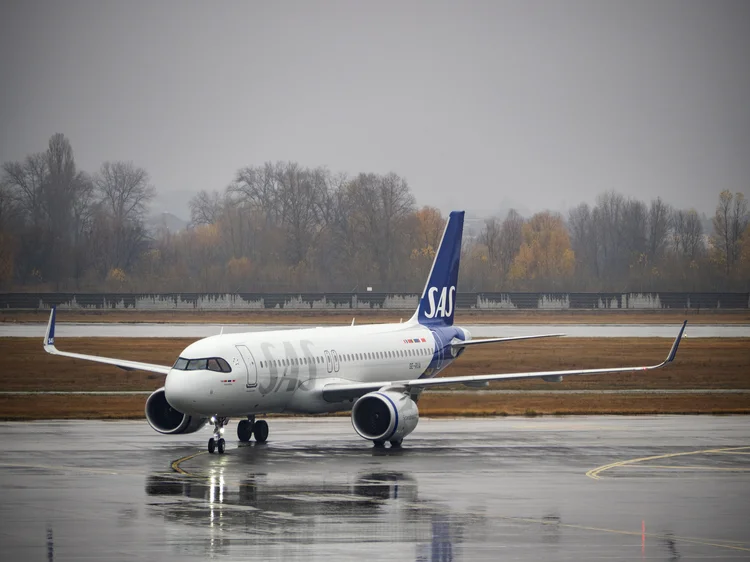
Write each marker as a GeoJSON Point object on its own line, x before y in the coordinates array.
{"type": "Point", "coordinates": [211, 445]}
{"type": "Point", "coordinates": [378, 444]}
{"type": "Point", "coordinates": [244, 430]}
{"type": "Point", "coordinates": [221, 446]}
{"type": "Point", "coordinates": [396, 443]}
{"type": "Point", "coordinates": [260, 430]}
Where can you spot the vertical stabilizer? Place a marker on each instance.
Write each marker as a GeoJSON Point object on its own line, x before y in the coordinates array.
{"type": "Point", "coordinates": [438, 301]}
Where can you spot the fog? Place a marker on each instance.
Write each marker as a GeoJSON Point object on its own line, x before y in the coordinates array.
{"type": "Point", "coordinates": [478, 105]}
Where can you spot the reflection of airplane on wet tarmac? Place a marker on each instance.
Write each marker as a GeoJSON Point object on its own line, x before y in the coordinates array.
{"type": "Point", "coordinates": [377, 371]}
{"type": "Point", "coordinates": [266, 509]}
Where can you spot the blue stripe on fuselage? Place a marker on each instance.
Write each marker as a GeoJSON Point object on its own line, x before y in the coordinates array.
{"type": "Point", "coordinates": [442, 355]}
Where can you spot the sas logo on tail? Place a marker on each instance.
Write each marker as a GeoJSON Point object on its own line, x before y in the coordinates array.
{"type": "Point", "coordinates": [444, 307]}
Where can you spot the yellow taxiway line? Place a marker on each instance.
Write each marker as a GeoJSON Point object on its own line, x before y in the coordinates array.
{"type": "Point", "coordinates": [595, 472]}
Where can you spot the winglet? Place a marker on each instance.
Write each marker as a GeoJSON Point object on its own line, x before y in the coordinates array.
{"type": "Point", "coordinates": [49, 336]}
{"type": "Point", "coordinates": [676, 344]}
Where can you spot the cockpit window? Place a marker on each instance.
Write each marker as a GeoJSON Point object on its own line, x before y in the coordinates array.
{"type": "Point", "coordinates": [216, 364]}
{"type": "Point", "coordinates": [196, 364]}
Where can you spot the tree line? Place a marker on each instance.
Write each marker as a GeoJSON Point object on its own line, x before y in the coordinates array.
{"type": "Point", "coordinates": [282, 227]}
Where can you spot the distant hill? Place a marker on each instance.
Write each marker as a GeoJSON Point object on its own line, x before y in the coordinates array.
{"type": "Point", "coordinates": [165, 222]}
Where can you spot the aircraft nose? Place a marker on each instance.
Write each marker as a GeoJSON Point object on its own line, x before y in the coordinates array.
{"type": "Point", "coordinates": [176, 392]}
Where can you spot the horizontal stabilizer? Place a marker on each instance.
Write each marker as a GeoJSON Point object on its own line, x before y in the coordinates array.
{"type": "Point", "coordinates": [467, 343]}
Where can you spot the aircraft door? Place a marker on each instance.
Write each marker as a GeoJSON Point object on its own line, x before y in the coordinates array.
{"type": "Point", "coordinates": [335, 361]}
{"type": "Point", "coordinates": [329, 362]}
{"type": "Point", "coordinates": [250, 366]}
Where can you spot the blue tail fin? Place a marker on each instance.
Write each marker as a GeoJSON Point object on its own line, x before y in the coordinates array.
{"type": "Point", "coordinates": [437, 304]}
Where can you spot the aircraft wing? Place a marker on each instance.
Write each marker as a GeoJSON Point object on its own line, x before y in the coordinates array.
{"type": "Point", "coordinates": [468, 343]}
{"type": "Point", "coordinates": [336, 392]}
{"type": "Point", "coordinates": [49, 347]}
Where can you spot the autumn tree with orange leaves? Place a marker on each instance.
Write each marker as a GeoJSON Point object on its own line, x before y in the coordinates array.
{"type": "Point", "coordinates": [545, 259]}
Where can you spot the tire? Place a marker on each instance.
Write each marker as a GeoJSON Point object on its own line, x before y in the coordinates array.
{"type": "Point", "coordinates": [378, 444]}
{"type": "Point", "coordinates": [221, 446]}
{"type": "Point", "coordinates": [396, 444]}
{"type": "Point", "coordinates": [244, 430]}
{"type": "Point", "coordinates": [211, 445]}
{"type": "Point", "coordinates": [260, 430]}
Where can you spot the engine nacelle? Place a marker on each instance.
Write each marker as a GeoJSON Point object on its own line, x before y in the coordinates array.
{"type": "Point", "coordinates": [385, 416]}
{"type": "Point", "coordinates": [165, 419]}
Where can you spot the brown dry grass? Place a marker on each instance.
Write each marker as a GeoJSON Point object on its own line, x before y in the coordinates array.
{"type": "Point", "coordinates": [431, 404]}
{"type": "Point", "coordinates": [344, 316]}
{"type": "Point", "coordinates": [701, 363]}
{"type": "Point", "coordinates": [479, 404]}
{"type": "Point", "coordinates": [51, 407]}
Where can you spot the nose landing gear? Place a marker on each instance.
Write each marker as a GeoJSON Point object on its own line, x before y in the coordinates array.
{"type": "Point", "coordinates": [217, 441]}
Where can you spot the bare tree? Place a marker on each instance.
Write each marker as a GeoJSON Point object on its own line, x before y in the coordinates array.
{"type": "Point", "coordinates": [123, 191]}
{"type": "Point", "coordinates": [634, 225]}
{"type": "Point", "coordinates": [608, 220]}
{"type": "Point", "coordinates": [378, 207]}
{"type": "Point", "coordinates": [511, 238]}
{"type": "Point", "coordinates": [687, 234]}
{"type": "Point", "coordinates": [729, 222]}
{"type": "Point", "coordinates": [658, 228]}
{"type": "Point", "coordinates": [52, 200]}
{"type": "Point", "coordinates": [258, 189]}
{"type": "Point", "coordinates": [301, 194]}
{"type": "Point", "coordinates": [490, 236]}
{"type": "Point", "coordinates": [27, 180]}
{"type": "Point", "coordinates": [205, 208]}
{"type": "Point", "coordinates": [584, 242]}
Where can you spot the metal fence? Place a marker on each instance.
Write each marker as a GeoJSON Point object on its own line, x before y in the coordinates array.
{"type": "Point", "coordinates": [369, 300]}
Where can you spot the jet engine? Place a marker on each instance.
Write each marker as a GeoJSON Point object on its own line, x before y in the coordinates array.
{"type": "Point", "coordinates": [165, 419]}
{"type": "Point", "coordinates": [385, 416]}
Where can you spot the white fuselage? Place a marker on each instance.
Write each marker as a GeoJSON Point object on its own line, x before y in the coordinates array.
{"type": "Point", "coordinates": [286, 370]}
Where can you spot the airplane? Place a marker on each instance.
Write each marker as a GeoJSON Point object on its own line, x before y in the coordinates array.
{"type": "Point", "coordinates": [377, 371]}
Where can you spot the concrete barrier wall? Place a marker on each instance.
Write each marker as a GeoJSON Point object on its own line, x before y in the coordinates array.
{"type": "Point", "coordinates": [387, 301]}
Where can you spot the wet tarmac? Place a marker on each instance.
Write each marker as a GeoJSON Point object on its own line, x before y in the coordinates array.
{"type": "Point", "coordinates": [146, 330]}
{"type": "Point", "coordinates": [583, 488]}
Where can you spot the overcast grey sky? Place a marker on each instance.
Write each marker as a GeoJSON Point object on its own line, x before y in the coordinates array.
{"type": "Point", "coordinates": [479, 105]}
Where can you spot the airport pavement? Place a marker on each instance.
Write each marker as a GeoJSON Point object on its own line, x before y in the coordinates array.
{"type": "Point", "coordinates": [616, 488]}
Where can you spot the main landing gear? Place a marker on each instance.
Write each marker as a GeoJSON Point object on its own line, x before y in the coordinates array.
{"type": "Point", "coordinates": [217, 443]}
{"type": "Point", "coordinates": [249, 427]}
